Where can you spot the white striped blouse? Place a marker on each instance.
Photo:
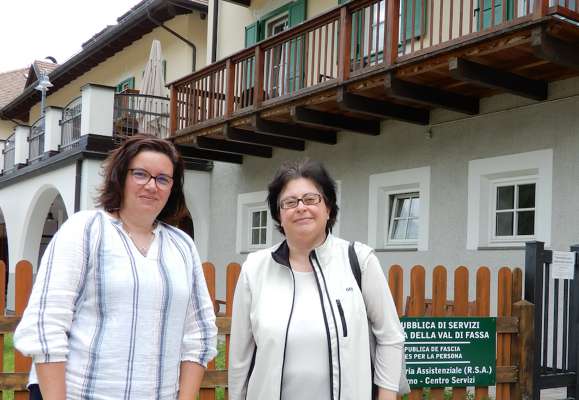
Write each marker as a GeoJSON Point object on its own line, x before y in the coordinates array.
{"type": "Point", "coordinates": [123, 322]}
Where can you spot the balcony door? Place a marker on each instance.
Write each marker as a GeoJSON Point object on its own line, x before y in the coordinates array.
{"type": "Point", "coordinates": [279, 62]}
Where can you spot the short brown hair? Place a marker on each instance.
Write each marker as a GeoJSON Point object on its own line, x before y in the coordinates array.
{"type": "Point", "coordinates": [309, 169]}
{"type": "Point", "coordinates": [115, 171]}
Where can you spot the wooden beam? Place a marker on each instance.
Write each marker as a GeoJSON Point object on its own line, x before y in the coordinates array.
{"type": "Point", "coordinates": [233, 147]}
{"type": "Point", "coordinates": [241, 135]}
{"type": "Point", "coordinates": [308, 116]}
{"type": "Point", "coordinates": [196, 152]}
{"type": "Point", "coordinates": [381, 109]}
{"type": "Point", "coordinates": [293, 131]}
{"type": "Point", "coordinates": [483, 75]}
{"type": "Point", "coordinates": [554, 50]}
{"type": "Point", "coordinates": [245, 3]}
{"type": "Point", "coordinates": [430, 96]}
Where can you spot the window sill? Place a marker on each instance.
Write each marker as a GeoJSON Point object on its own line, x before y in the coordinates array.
{"type": "Point", "coordinates": [395, 249]}
{"type": "Point", "coordinates": [484, 248]}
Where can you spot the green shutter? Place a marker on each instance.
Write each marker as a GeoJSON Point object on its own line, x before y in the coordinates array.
{"type": "Point", "coordinates": [297, 12]}
{"type": "Point", "coordinates": [419, 11]}
{"type": "Point", "coordinates": [487, 12]}
{"type": "Point", "coordinates": [128, 83]}
{"type": "Point", "coordinates": [251, 34]}
{"type": "Point", "coordinates": [342, 1]}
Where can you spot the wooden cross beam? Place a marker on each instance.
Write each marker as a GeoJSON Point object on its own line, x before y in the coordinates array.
{"type": "Point", "coordinates": [430, 96]}
{"type": "Point", "coordinates": [241, 135]}
{"type": "Point", "coordinates": [196, 152]}
{"type": "Point", "coordinates": [233, 147]}
{"type": "Point", "coordinates": [493, 78]}
{"type": "Point", "coordinates": [380, 108]}
{"type": "Point", "coordinates": [293, 131]}
{"type": "Point", "coordinates": [308, 116]}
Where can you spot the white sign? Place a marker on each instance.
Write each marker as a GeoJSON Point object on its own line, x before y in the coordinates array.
{"type": "Point", "coordinates": [563, 265]}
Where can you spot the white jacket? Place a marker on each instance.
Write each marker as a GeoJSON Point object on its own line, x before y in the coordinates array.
{"type": "Point", "coordinates": [262, 310]}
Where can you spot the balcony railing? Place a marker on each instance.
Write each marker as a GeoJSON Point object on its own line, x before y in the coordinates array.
{"type": "Point", "coordinates": [346, 42]}
{"type": "Point", "coordinates": [36, 141]}
{"type": "Point", "coordinates": [139, 113]}
{"type": "Point", "coordinates": [9, 149]}
{"type": "Point", "coordinates": [70, 124]}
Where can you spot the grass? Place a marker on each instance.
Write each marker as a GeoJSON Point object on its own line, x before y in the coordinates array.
{"type": "Point", "coordinates": [8, 363]}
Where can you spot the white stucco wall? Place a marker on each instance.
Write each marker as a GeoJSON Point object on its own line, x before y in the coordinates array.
{"type": "Point", "coordinates": [130, 62]}
{"type": "Point", "coordinates": [197, 190]}
{"type": "Point", "coordinates": [234, 18]}
{"type": "Point", "coordinates": [511, 125]}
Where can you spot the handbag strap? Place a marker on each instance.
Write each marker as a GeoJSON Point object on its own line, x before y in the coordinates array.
{"type": "Point", "coordinates": [354, 264]}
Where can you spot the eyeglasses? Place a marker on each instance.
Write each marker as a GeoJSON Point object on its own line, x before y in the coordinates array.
{"type": "Point", "coordinates": [309, 199]}
{"type": "Point", "coordinates": [142, 177]}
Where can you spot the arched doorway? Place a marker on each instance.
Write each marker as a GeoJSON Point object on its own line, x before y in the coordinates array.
{"type": "Point", "coordinates": [54, 219]}
{"type": "Point", "coordinates": [4, 249]}
{"type": "Point", "coordinates": [186, 225]}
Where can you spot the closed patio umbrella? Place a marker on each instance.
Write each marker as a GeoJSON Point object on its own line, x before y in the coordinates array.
{"type": "Point", "coordinates": [153, 103]}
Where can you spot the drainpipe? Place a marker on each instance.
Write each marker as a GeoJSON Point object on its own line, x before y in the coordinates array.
{"type": "Point", "coordinates": [77, 185]}
{"type": "Point", "coordinates": [214, 31]}
{"type": "Point", "coordinates": [191, 44]}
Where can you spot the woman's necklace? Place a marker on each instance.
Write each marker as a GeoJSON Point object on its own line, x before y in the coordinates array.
{"type": "Point", "coordinates": [142, 249]}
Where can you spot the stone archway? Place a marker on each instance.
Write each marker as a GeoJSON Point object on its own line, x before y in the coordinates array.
{"type": "Point", "coordinates": [55, 217]}
{"type": "Point", "coordinates": [46, 199]}
{"type": "Point", "coordinates": [4, 249]}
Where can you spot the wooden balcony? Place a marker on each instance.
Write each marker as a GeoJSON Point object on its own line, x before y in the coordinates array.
{"type": "Point", "coordinates": [370, 60]}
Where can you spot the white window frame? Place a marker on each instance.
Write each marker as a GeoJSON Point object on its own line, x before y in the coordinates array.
{"type": "Point", "coordinates": [392, 203]}
{"type": "Point", "coordinates": [251, 228]}
{"type": "Point", "coordinates": [484, 174]}
{"type": "Point", "coordinates": [382, 187]}
{"type": "Point", "coordinates": [493, 192]}
{"type": "Point", "coordinates": [247, 203]}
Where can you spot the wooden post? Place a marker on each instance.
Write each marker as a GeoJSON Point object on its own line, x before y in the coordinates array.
{"type": "Point", "coordinates": [439, 294]}
{"type": "Point", "coordinates": [504, 309]}
{"type": "Point", "coordinates": [258, 74]}
{"type": "Point", "coordinates": [2, 312]}
{"type": "Point", "coordinates": [541, 8]}
{"type": "Point", "coordinates": [174, 111]}
{"type": "Point", "coordinates": [417, 307]}
{"type": "Point", "coordinates": [233, 271]}
{"type": "Point", "coordinates": [345, 44]}
{"type": "Point", "coordinates": [209, 273]}
{"type": "Point", "coordinates": [230, 87]}
{"type": "Point", "coordinates": [391, 32]}
{"type": "Point", "coordinates": [460, 310]}
{"type": "Point", "coordinates": [523, 348]}
{"type": "Point", "coordinates": [483, 295]}
{"type": "Point", "coordinates": [396, 283]}
{"type": "Point", "coordinates": [22, 289]}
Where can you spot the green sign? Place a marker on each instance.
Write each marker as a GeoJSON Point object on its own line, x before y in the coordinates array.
{"type": "Point", "coordinates": [450, 351]}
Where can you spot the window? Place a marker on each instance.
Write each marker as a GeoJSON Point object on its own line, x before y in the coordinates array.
{"type": "Point", "coordinates": [254, 224]}
{"type": "Point", "coordinates": [128, 83]}
{"type": "Point", "coordinates": [258, 229]}
{"type": "Point", "coordinates": [398, 214]}
{"type": "Point", "coordinates": [514, 211]}
{"type": "Point", "coordinates": [509, 200]}
{"type": "Point", "coordinates": [403, 224]}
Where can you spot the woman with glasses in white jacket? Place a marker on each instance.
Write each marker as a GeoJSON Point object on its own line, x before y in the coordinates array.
{"type": "Point", "coordinates": [301, 325]}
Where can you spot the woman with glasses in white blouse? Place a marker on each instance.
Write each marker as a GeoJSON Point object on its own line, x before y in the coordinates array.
{"type": "Point", "coordinates": [120, 307]}
{"type": "Point", "coordinates": [301, 325]}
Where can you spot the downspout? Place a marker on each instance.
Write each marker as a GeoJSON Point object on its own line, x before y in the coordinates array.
{"type": "Point", "coordinates": [77, 185]}
{"type": "Point", "coordinates": [214, 31]}
{"type": "Point", "coordinates": [193, 47]}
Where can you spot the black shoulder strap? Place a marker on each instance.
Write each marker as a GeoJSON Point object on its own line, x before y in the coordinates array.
{"type": "Point", "coordinates": [355, 265]}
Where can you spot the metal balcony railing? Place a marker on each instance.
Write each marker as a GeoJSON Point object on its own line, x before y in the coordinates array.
{"type": "Point", "coordinates": [36, 140]}
{"type": "Point", "coordinates": [8, 152]}
{"type": "Point", "coordinates": [140, 113]}
{"type": "Point", "coordinates": [70, 124]}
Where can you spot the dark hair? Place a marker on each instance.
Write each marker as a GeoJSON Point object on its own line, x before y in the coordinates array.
{"type": "Point", "coordinates": [115, 170]}
{"type": "Point", "coordinates": [309, 169]}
